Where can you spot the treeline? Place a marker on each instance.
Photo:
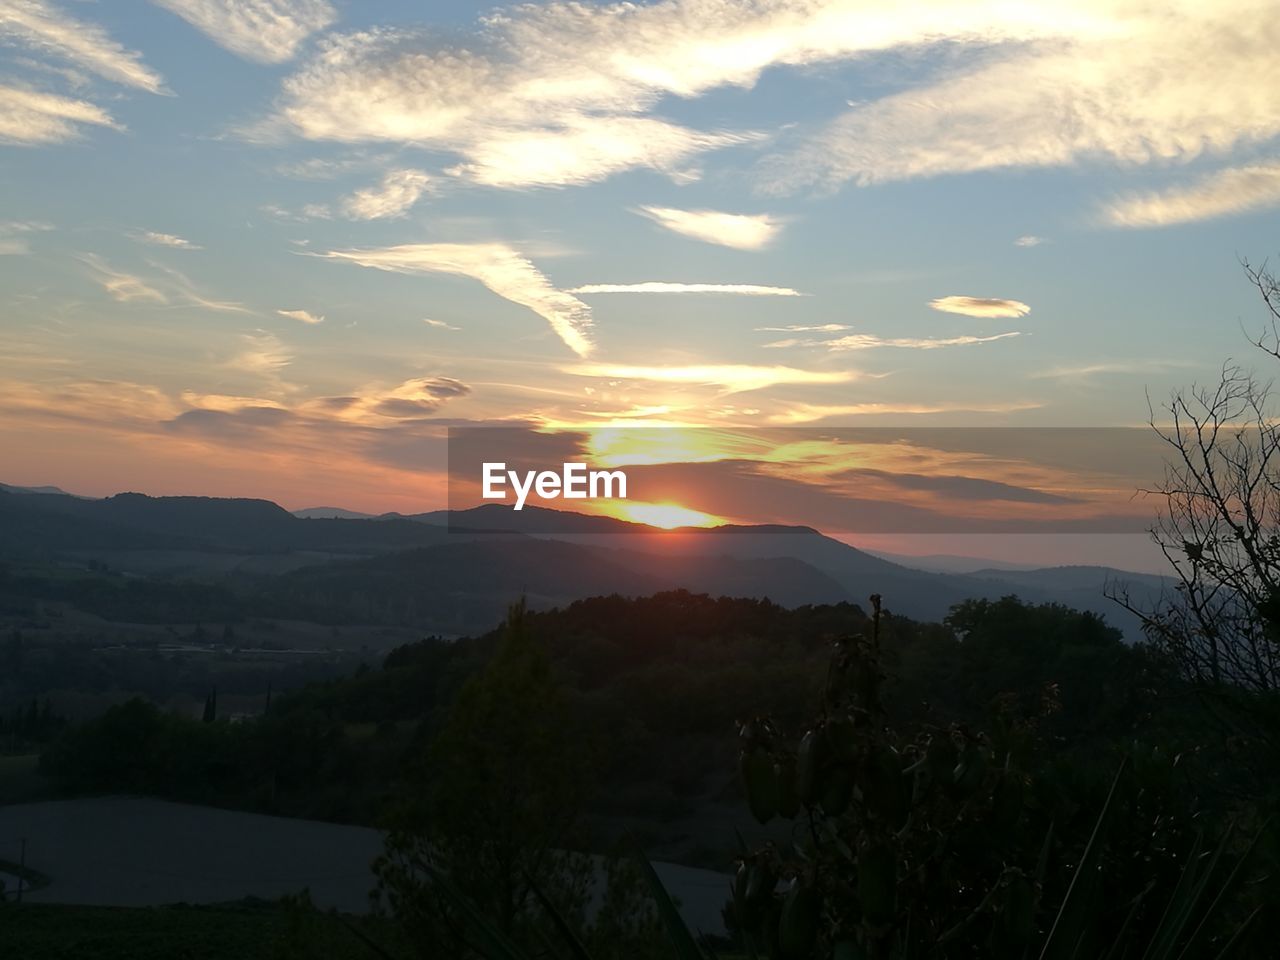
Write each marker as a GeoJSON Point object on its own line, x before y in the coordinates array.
{"type": "Point", "coordinates": [655, 686]}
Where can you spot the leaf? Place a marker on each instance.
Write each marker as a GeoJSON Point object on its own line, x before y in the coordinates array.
{"type": "Point", "coordinates": [681, 939]}
{"type": "Point", "coordinates": [561, 925]}
{"type": "Point", "coordinates": [1082, 882]}
{"type": "Point", "coordinates": [493, 944]}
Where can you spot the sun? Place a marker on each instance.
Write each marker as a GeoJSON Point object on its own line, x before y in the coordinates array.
{"type": "Point", "coordinates": [668, 516]}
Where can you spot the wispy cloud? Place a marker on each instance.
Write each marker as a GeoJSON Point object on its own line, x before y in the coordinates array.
{"type": "Point", "coordinates": [302, 316]}
{"type": "Point", "coordinates": [515, 111]}
{"type": "Point", "coordinates": [866, 341]}
{"type": "Point", "coordinates": [29, 117]}
{"type": "Point", "coordinates": [735, 378]}
{"type": "Point", "coordinates": [1088, 371]}
{"type": "Point", "coordinates": [165, 240]}
{"type": "Point", "coordinates": [439, 324]}
{"type": "Point", "coordinates": [740, 231]}
{"type": "Point", "coordinates": [1053, 88]}
{"type": "Point", "coordinates": [398, 191]}
{"type": "Point", "coordinates": [1029, 240]}
{"type": "Point", "coordinates": [660, 286]}
{"type": "Point", "coordinates": [266, 31]}
{"type": "Point", "coordinates": [499, 267]}
{"type": "Point", "coordinates": [1231, 191]}
{"type": "Point", "coordinates": [811, 412]}
{"type": "Point", "coordinates": [14, 233]}
{"type": "Point", "coordinates": [262, 353]}
{"type": "Point", "coordinates": [801, 328]}
{"type": "Point", "coordinates": [42, 27]}
{"type": "Point", "coordinates": [121, 286]}
{"type": "Point", "coordinates": [984, 307]}
{"type": "Point", "coordinates": [183, 290]}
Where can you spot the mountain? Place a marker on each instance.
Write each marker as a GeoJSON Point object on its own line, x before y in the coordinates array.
{"type": "Point", "coordinates": [54, 490]}
{"type": "Point", "coordinates": [330, 513]}
{"type": "Point", "coordinates": [458, 570]}
{"type": "Point", "coordinates": [950, 563]}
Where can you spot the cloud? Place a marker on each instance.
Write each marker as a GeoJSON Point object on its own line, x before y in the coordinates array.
{"type": "Point", "coordinates": [183, 290]}
{"type": "Point", "coordinates": [985, 307]}
{"type": "Point", "coordinates": [660, 286]}
{"type": "Point", "coordinates": [263, 353]}
{"type": "Point", "coordinates": [1089, 370]}
{"type": "Point", "coordinates": [506, 101]}
{"type": "Point", "coordinates": [29, 117]}
{"type": "Point", "coordinates": [801, 328]}
{"type": "Point", "coordinates": [1051, 85]}
{"type": "Point", "coordinates": [439, 324]}
{"type": "Point", "coordinates": [301, 315]}
{"type": "Point", "coordinates": [810, 412]}
{"type": "Point", "coordinates": [740, 231]}
{"type": "Point", "coordinates": [393, 197]}
{"type": "Point", "coordinates": [13, 235]}
{"type": "Point", "coordinates": [502, 269]}
{"type": "Point", "coordinates": [42, 27]}
{"type": "Point", "coordinates": [866, 341]}
{"type": "Point", "coordinates": [1226, 192]}
{"type": "Point", "coordinates": [1029, 240]}
{"type": "Point", "coordinates": [265, 31]}
{"type": "Point", "coordinates": [165, 240]}
{"type": "Point", "coordinates": [736, 378]}
{"type": "Point", "coordinates": [120, 286]}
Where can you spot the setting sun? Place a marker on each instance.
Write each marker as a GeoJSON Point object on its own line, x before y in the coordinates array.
{"type": "Point", "coordinates": [668, 516]}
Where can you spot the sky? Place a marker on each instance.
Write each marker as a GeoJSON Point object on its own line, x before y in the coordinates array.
{"type": "Point", "coordinates": [276, 247]}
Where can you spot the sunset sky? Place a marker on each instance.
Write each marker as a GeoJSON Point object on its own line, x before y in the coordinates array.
{"type": "Point", "coordinates": [272, 247]}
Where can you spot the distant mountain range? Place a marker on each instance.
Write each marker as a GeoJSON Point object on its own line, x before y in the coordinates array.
{"type": "Point", "coordinates": [457, 571]}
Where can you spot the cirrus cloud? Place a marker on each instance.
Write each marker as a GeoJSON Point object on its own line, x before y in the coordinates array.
{"type": "Point", "coordinates": [303, 316]}
{"type": "Point", "coordinates": [42, 27]}
{"type": "Point", "coordinates": [737, 230]}
{"type": "Point", "coordinates": [1226, 192]}
{"type": "Point", "coordinates": [660, 286]}
{"type": "Point", "coordinates": [867, 341]}
{"type": "Point", "coordinates": [735, 378]}
{"type": "Point", "coordinates": [393, 197]}
{"type": "Point", "coordinates": [266, 31]}
{"type": "Point", "coordinates": [502, 269]}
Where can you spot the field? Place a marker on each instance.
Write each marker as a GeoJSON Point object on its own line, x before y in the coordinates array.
{"type": "Point", "coordinates": [139, 853]}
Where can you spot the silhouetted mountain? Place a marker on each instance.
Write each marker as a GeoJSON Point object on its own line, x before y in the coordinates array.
{"type": "Point", "coordinates": [461, 569]}
{"type": "Point", "coordinates": [331, 513]}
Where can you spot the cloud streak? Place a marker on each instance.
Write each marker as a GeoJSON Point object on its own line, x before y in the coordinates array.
{"type": "Point", "coordinates": [811, 412]}
{"type": "Point", "coordinates": [165, 240]}
{"type": "Point", "coordinates": [302, 316]}
{"type": "Point", "coordinates": [265, 31]}
{"type": "Point", "coordinates": [393, 197]}
{"type": "Point", "coordinates": [120, 286]}
{"type": "Point", "coordinates": [1055, 89]}
{"type": "Point", "coordinates": [1224, 193]}
{"type": "Point", "coordinates": [740, 231]}
{"type": "Point", "coordinates": [736, 378]}
{"type": "Point", "coordinates": [659, 286]}
{"type": "Point", "coordinates": [42, 27]}
{"type": "Point", "coordinates": [867, 341]}
{"type": "Point", "coordinates": [982, 307]}
{"type": "Point", "coordinates": [500, 268]}
{"type": "Point", "coordinates": [32, 118]}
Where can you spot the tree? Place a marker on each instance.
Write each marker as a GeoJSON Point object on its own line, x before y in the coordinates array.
{"type": "Point", "coordinates": [495, 804]}
{"type": "Point", "coordinates": [1219, 529]}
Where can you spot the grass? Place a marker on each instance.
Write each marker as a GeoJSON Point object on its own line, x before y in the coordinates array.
{"type": "Point", "coordinates": [241, 931]}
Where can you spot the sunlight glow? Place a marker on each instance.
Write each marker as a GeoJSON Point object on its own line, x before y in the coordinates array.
{"type": "Point", "coordinates": [668, 516]}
